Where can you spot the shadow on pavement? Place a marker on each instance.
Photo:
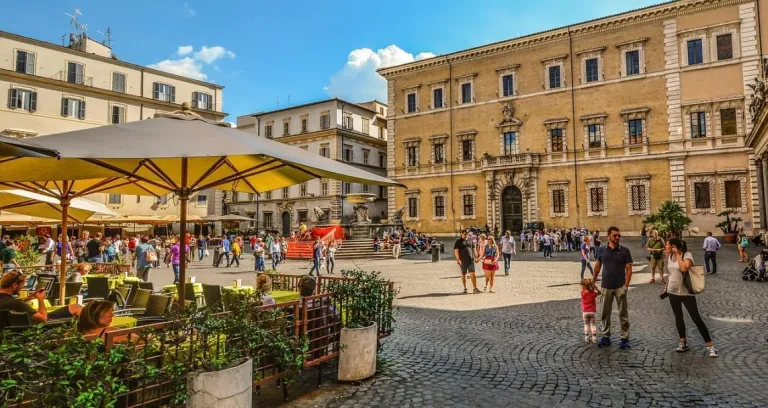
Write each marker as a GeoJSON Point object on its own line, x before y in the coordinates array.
{"type": "Point", "coordinates": [431, 295]}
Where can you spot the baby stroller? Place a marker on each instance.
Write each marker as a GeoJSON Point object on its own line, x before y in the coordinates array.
{"type": "Point", "coordinates": [755, 271]}
{"type": "Point", "coordinates": [750, 273]}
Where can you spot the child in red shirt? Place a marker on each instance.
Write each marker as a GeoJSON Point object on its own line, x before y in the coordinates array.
{"type": "Point", "coordinates": [588, 308]}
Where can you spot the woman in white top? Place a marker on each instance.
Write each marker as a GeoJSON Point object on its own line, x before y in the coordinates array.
{"type": "Point", "coordinates": [680, 261]}
{"type": "Point", "coordinates": [330, 257]}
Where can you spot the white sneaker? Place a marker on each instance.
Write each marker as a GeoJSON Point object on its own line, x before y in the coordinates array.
{"type": "Point", "coordinates": [712, 351]}
{"type": "Point", "coordinates": [682, 347]}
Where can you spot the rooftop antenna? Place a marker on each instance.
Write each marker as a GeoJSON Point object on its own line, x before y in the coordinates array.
{"type": "Point", "coordinates": [107, 37]}
{"type": "Point", "coordinates": [77, 27]}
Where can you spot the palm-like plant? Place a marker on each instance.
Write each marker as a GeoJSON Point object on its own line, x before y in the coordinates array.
{"type": "Point", "coordinates": [729, 225]}
{"type": "Point", "coordinates": [669, 220]}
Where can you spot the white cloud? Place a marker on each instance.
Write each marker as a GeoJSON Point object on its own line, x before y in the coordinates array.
{"type": "Point", "coordinates": [184, 50]}
{"type": "Point", "coordinates": [192, 66]}
{"type": "Point", "coordinates": [358, 81]}
{"type": "Point", "coordinates": [189, 10]}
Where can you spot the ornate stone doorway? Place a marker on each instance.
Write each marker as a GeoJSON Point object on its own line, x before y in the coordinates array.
{"type": "Point", "coordinates": [286, 221]}
{"type": "Point", "coordinates": [512, 210]}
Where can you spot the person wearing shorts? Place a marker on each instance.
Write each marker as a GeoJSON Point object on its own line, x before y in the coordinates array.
{"type": "Point", "coordinates": [462, 250]}
{"type": "Point", "coordinates": [656, 253]}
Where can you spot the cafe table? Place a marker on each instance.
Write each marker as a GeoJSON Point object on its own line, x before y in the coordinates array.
{"type": "Point", "coordinates": [198, 288]}
{"type": "Point", "coordinates": [282, 296]}
{"type": "Point", "coordinates": [123, 322]}
{"type": "Point", "coordinates": [114, 281]}
{"type": "Point", "coordinates": [238, 289]}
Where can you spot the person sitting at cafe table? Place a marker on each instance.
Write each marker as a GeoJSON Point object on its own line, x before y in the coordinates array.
{"type": "Point", "coordinates": [82, 270]}
{"type": "Point", "coordinates": [264, 286]}
{"type": "Point", "coordinates": [13, 282]}
{"type": "Point", "coordinates": [95, 318]}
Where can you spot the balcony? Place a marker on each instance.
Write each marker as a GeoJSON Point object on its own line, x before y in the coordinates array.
{"type": "Point", "coordinates": [73, 78]}
{"type": "Point", "coordinates": [515, 160]}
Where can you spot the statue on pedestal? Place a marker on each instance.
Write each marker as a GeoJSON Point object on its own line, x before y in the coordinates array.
{"type": "Point", "coordinates": [397, 217]}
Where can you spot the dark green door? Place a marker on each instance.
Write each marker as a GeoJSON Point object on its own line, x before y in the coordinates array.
{"type": "Point", "coordinates": [512, 210]}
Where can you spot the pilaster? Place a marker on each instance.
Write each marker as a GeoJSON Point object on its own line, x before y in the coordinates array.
{"type": "Point", "coordinates": [391, 109]}
{"type": "Point", "coordinates": [672, 62]}
{"type": "Point", "coordinates": [754, 192]}
{"type": "Point", "coordinates": [677, 180]}
{"type": "Point", "coordinates": [750, 69]}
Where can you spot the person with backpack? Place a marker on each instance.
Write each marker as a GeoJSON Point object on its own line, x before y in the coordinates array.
{"type": "Point", "coordinates": [680, 263]}
{"type": "Point", "coordinates": [144, 259]}
{"type": "Point", "coordinates": [742, 243]}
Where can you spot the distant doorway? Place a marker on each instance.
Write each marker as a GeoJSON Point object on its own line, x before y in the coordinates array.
{"type": "Point", "coordinates": [512, 209]}
{"type": "Point", "coordinates": [286, 223]}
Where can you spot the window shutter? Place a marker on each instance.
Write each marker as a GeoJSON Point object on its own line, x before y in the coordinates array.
{"type": "Point", "coordinates": [82, 110]}
{"type": "Point", "coordinates": [64, 106]}
{"type": "Point", "coordinates": [32, 101]}
{"type": "Point", "coordinates": [13, 95]}
{"type": "Point", "coordinates": [173, 94]}
{"type": "Point", "coordinates": [155, 92]}
{"type": "Point", "coordinates": [30, 68]}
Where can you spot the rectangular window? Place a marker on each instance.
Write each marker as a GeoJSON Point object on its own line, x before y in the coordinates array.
{"type": "Point", "coordinates": [439, 206]}
{"type": "Point", "coordinates": [411, 102]}
{"type": "Point", "coordinates": [304, 125]}
{"type": "Point", "coordinates": [558, 201]}
{"type": "Point", "coordinates": [695, 54]}
{"type": "Point", "coordinates": [594, 137]}
{"type": "Point", "coordinates": [596, 194]}
{"type": "Point", "coordinates": [510, 143]}
{"type": "Point", "coordinates": [22, 99]}
{"type": "Point", "coordinates": [508, 85]}
{"type": "Point", "coordinates": [303, 189]}
{"type": "Point", "coordinates": [349, 122]}
{"type": "Point", "coordinates": [466, 92]}
{"type": "Point", "coordinates": [164, 92]}
{"type": "Point", "coordinates": [73, 108]}
{"type": "Point", "coordinates": [25, 62]}
{"type": "Point", "coordinates": [633, 62]}
{"type": "Point", "coordinates": [348, 153]}
{"type": "Point", "coordinates": [366, 188]}
{"type": "Point", "coordinates": [202, 199]}
{"type": "Point", "coordinates": [467, 153]}
{"type": "Point", "coordinates": [413, 156]}
{"type": "Point", "coordinates": [286, 128]}
{"type": "Point", "coordinates": [268, 195]}
{"type": "Point", "coordinates": [638, 198]}
{"type": "Point", "coordinates": [285, 192]}
{"type": "Point", "coordinates": [732, 194]}
{"type": "Point", "coordinates": [439, 151]}
{"type": "Point", "coordinates": [413, 207]}
{"type": "Point", "coordinates": [325, 151]}
{"type": "Point", "coordinates": [75, 73]}
{"type": "Point", "coordinates": [346, 188]}
{"type": "Point", "coordinates": [268, 131]}
{"type": "Point", "coordinates": [635, 129]}
{"type": "Point", "coordinates": [591, 70]}
{"type": "Point", "coordinates": [118, 82]}
{"type": "Point", "coordinates": [556, 136]}
{"type": "Point", "coordinates": [325, 121]}
{"type": "Point", "coordinates": [381, 132]}
{"type": "Point", "coordinates": [554, 77]}
{"type": "Point", "coordinates": [118, 114]}
{"type": "Point", "coordinates": [701, 195]}
{"type": "Point", "coordinates": [382, 191]}
{"type": "Point", "coordinates": [323, 188]}
{"type": "Point", "coordinates": [381, 111]}
{"type": "Point", "coordinates": [202, 100]}
{"type": "Point", "coordinates": [468, 204]}
{"type": "Point", "coordinates": [114, 199]}
{"type": "Point", "coordinates": [728, 121]}
{"type": "Point", "coordinates": [302, 216]}
{"type": "Point", "coordinates": [366, 156]}
{"type": "Point", "coordinates": [437, 95]}
{"type": "Point", "coordinates": [724, 47]}
{"type": "Point", "coordinates": [382, 161]}
{"type": "Point", "coordinates": [267, 220]}
{"type": "Point", "coordinates": [698, 125]}
{"type": "Point", "coordinates": [366, 125]}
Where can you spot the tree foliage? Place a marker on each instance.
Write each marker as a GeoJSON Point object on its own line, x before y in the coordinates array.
{"type": "Point", "coordinates": [669, 220]}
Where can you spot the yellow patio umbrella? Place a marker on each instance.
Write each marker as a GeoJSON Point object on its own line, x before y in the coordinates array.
{"type": "Point", "coordinates": [43, 206]}
{"type": "Point", "coordinates": [10, 219]}
{"type": "Point", "coordinates": [182, 153]}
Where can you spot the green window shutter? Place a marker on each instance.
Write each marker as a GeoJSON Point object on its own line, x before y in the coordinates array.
{"type": "Point", "coordinates": [81, 115]}
{"type": "Point", "coordinates": [173, 94]}
{"type": "Point", "coordinates": [64, 106]}
{"type": "Point", "coordinates": [32, 101]}
{"type": "Point", "coordinates": [13, 97]}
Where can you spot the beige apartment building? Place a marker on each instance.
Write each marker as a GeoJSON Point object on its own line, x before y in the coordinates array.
{"type": "Point", "coordinates": [593, 124]}
{"type": "Point", "coordinates": [355, 133]}
{"type": "Point", "coordinates": [52, 88]}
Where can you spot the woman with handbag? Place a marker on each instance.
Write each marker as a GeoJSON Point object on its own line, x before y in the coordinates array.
{"type": "Point", "coordinates": [681, 293]}
{"type": "Point", "coordinates": [490, 261]}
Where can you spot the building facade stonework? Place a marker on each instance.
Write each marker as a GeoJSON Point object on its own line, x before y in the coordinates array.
{"type": "Point", "coordinates": [589, 125]}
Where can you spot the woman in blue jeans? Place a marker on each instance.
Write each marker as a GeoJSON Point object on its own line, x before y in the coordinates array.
{"type": "Point", "coordinates": [585, 257]}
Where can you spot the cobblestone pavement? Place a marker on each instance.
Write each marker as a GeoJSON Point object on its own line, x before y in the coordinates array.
{"type": "Point", "coordinates": [532, 354]}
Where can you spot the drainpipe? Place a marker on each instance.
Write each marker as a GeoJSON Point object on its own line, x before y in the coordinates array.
{"type": "Point", "coordinates": [573, 121]}
{"type": "Point", "coordinates": [450, 140]}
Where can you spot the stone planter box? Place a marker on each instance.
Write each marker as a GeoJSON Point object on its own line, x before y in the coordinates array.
{"type": "Point", "coordinates": [357, 360]}
{"type": "Point", "coordinates": [230, 388]}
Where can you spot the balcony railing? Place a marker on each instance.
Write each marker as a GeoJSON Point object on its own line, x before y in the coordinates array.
{"type": "Point", "coordinates": [524, 159]}
{"type": "Point", "coordinates": [73, 78]}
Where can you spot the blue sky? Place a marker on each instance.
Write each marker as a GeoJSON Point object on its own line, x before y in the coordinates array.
{"type": "Point", "coordinates": [297, 51]}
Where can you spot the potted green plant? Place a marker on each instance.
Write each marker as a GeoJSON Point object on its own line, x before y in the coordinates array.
{"type": "Point", "coordinates": [364, 299]}
{"type": "Point", "coordinates": [669, 220]}
{"type": "Point", "coordinates": [729, 226]}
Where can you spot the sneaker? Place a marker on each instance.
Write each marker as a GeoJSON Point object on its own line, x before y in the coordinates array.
{"type": "Point", "coordinates": [586, 339]}
{"type": "Point", "coordinates": [624, 344]}
{"type": "Point", "coordinates": [604, 341]}
{"type": "Point", "coordinates": [682, 347]}
{"type": "Point", "coordinates": [476, 290]}
{"type": "Point", "coordinates": [465, 291]}
{"type": "Point", "coordinates": [594, 340]}
{"type": "Point", "coordinates": [712, 351]}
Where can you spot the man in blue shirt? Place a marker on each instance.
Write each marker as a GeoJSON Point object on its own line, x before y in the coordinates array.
{"type": "Point", "coordinates": [711, 245]}
{"type": "Point", "coordinates": [225, 248]}
{"type": "Point", "coordinates": [317, 253]}
{"type": "Point", "coordinates": [615, 261]}
{"type": "Point", "coordinates": [143, 265]}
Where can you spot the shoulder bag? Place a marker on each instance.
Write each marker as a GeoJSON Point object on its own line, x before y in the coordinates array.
{"type": "Point", "coordinates": [694, 279]}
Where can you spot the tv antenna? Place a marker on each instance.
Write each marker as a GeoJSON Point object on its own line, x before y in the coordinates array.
{"type": "Point", "coordinates": [107, 37]}
{"type": "Point", "coordinates": [77, 27]}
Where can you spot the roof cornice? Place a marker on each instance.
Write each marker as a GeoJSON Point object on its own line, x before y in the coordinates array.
{"type": "Point", "coordinates": [650, 13]}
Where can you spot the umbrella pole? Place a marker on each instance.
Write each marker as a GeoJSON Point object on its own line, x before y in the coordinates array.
{"type": "Point", "coordinates": [65, 240]}
{"type": "Point", "coordinates": [183, 199]}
